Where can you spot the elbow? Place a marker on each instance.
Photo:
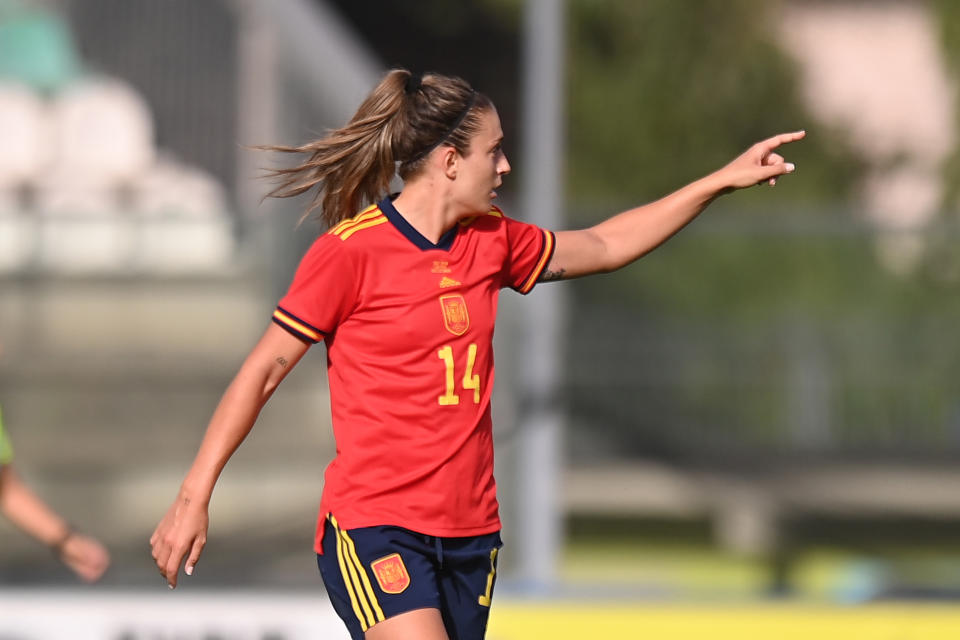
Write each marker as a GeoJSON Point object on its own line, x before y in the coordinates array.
{"type": "Point", "coordinates": [272, 374]}
{"type": "Point", "coordinates": [603, 254]}
{"type": "Point", "coordinates": [611, 264]}
{"type": "Point", "coordinates": [611, 260]}
{"type": "Point", "coordinates": [619, 256]}
{"type": "Point", "coordinates": [255, 383]}
{"type": "Point", "coordinates": [269, 384]}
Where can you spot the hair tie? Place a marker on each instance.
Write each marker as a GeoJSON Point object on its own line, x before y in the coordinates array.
{"type": "Point", "coordinates": [414, 82]}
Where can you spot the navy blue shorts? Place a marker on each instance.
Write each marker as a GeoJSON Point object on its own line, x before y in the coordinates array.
{"type": "Point", "coordinates": [374, 573]}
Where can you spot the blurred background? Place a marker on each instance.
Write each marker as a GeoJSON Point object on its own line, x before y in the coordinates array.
{"type": "Point", "coordinates": [765, 410]}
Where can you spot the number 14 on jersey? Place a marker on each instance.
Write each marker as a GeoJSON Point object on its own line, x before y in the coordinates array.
{"type": "Point", "coordinates": [469, 381]}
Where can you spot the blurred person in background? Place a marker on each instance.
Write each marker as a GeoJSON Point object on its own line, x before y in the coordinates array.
{"type": "Point", "coordinates": [82, 554]}
{"type": "Point", "coordinates": [404, 296]}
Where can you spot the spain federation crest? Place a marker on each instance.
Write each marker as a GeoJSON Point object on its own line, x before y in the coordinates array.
{"type": "Point", "coordinates": [455, 316]}
{"type": "Point", "coordinates": [391, 573]}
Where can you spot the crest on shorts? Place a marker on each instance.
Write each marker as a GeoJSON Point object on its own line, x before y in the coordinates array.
{"type": "Point", "coordinates": [455, 317]}
{"type": "Point", "coordinates": [391, 573]}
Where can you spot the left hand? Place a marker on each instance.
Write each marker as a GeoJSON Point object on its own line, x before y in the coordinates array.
{"type": "Point", "coordinates": [759, 163]}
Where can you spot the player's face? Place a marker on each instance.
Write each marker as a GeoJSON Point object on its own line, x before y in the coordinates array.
{"type": "Point", "coordinates": [483, 167]}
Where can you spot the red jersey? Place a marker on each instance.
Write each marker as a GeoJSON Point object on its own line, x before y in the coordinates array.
{"type": "Point", "coordinates": [408, 326]}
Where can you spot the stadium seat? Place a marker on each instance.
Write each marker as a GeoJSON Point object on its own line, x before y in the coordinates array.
{"type": "Point", "coordinates": [183, 245]}
{"type": "Point", "coordinates": [102, 139]}
{"type": "Point", "coordinates": [25, 132]}
{"type": "Point", "coordinates": [84, 245]}
{"type": "Point", "coordinates": [103, 132]}
{"type": "Point", "coordinates": [102, 201]}
{"type": "Point", "coordinates": [182, 220]}
{"type": "Point", "coordinates": [169, 188]}
{"type": "Point", "coordinates": [17, 235]}
{"type": "Point", "coordinates": [62, 195]}
{"type": "Point", "coordinates": [81, 228]}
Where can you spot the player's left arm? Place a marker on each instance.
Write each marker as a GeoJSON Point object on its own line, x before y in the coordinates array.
{"type": "Point", "coordinates": [627, 236]}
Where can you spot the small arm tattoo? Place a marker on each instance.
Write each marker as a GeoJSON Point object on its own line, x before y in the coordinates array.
{"type": "Point", "coordinates": [548, 275]}
{"type": "Point", "coordinates": [281, 361]}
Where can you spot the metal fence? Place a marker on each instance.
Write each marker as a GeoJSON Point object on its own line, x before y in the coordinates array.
{"type": "Point", "coordinates": [740, 343]}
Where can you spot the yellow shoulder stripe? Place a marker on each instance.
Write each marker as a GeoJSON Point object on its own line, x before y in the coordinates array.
{"type": "Point", "coordinates": [349, 231]}
{"type": "Point", "coordinates": [495, 212]}
{"type": "Point", "coordinates": [366, 214]}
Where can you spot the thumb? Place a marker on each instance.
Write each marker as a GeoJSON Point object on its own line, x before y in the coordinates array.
{"type": "Point", "coordinates": [774, 170]}
{"type": "Point", "coordinates": [194, 556]}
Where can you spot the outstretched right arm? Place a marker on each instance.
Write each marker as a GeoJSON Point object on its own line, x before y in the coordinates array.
{"type": "Point", "coordinates": [183, 530]}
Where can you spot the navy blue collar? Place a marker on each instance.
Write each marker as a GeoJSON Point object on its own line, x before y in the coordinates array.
{"type": "Point", "coordinates": [414, 236]}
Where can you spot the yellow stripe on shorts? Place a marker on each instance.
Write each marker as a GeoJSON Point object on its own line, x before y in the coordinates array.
{"type": "Point", "coordinates": [362, 596]}
{"type": "Point", "coordinates": [364, 624]}
{"type": "Point", "coordinates": [371, 594]}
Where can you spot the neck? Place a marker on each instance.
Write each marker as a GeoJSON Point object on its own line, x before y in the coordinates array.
{"type": "Point", "coordinates": [427, 209]}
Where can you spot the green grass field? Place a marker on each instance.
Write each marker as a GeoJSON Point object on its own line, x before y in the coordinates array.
{"type": "Point", "coordinates": [670, 560]}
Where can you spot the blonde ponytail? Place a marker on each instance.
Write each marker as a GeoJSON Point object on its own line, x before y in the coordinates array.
{"type": "Point", "coordinates": [400, 122]}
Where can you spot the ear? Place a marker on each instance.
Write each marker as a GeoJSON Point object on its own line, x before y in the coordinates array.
{"type": "Point", "coordinates": [450, 161]}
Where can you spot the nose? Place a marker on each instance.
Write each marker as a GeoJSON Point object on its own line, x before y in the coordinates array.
{"type": "Point", "coordinates": [503, 165]}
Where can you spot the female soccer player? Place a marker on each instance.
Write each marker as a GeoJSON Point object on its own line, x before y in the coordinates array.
{"type": "Point", "coordinates": [404, 296]}
{"type": "Point", "coordinates": [84, 555]}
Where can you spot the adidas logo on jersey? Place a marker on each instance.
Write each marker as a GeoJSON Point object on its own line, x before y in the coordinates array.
{"type": "Point", "coordinates": [448, 282]}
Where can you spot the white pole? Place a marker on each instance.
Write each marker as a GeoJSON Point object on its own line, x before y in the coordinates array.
{"type": "Point", "coordinates": [539, 514]}
{"type": "Point", "coordinates": [257, 106]}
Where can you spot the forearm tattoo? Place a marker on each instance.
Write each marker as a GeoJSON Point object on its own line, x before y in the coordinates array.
{"type": "Point", "coordinates": [281, 361]}
{"type": "Point", "coordinates": [548, 275]}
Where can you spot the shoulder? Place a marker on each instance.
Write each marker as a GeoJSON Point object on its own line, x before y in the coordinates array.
{"type": "Point", "coordinates": [493, 219]}
{"type": "Point", "coordinates": [497, 221]}
{"type": "Point", "coordinates": [350, 236]}
{"type": "Point", "coordinates": [346, 230]}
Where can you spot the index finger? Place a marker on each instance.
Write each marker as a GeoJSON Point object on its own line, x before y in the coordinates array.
{"type": "Point", "coordinates": [770, 144]}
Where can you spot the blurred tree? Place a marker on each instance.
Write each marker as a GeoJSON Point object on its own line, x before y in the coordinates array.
{"type": "Point", "coordinates": [948, 12]}
{"type": "Point", "coordinates": [662, 92]}
{"type": "Point", "coordinates": [713, 343]}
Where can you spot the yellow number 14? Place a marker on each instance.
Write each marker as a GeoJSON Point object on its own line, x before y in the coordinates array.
{"type": "Point", "coordinates": [470, 379]}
